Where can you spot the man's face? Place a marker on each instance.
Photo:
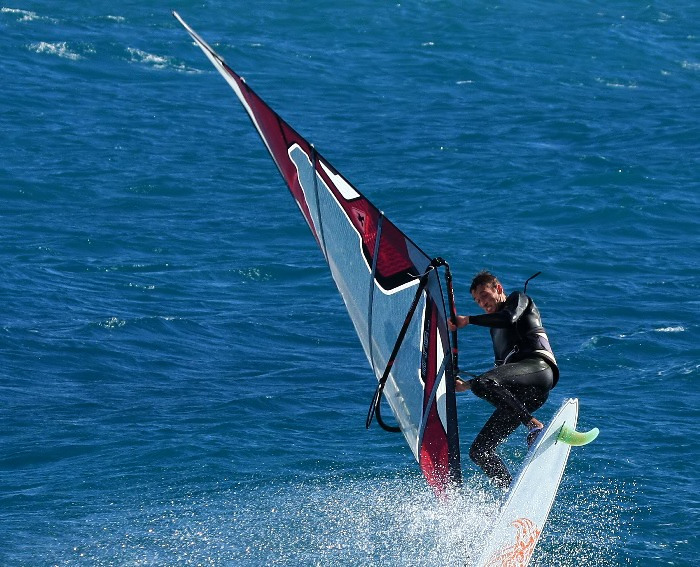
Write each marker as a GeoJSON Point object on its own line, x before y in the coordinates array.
{"type": "Point", "coordinates": [488, 296]}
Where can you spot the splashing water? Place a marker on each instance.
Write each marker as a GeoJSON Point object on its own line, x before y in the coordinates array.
{"type": "Point", "coordinates": [361, 522]}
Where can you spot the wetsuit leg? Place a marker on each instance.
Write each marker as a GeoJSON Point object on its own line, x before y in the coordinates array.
{"type": "Point", "coordinates": [515, 389]}
{"type": "Point", "coordinates": [519, 387]}
{"type": "Point", "coordinates": [483, 450]}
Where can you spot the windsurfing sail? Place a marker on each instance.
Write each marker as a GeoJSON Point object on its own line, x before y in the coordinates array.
{"type": "Point", "coordinates": [391, 288]}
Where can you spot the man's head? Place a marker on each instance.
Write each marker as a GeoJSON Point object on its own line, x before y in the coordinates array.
{"type": "Point", "coordinates": [487, 291]}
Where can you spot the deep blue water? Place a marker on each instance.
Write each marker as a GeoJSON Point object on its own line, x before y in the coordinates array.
{"type": "Point", "coordinates": [179, 381]}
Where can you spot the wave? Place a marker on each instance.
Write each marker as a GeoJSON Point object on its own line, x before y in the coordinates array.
{"type": "Point", "coordinates": [22, 15]}
{"type": "Point", "coordinates": [59, 48]}
{"type": "Point", "coordinates": [676, 329]}
{"type": "Point", "coordinates": [157, 61]}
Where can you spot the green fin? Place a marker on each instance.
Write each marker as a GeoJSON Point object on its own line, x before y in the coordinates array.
{"type": "Point", "coordinates": [577, 438]}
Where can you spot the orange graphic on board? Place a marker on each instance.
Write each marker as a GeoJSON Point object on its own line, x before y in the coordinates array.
{"type": "Point", "coordinates": [518, 554]}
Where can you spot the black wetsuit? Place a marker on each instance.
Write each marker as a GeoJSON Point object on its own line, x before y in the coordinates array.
{"type": "Point", "coordinates": [525, 372]}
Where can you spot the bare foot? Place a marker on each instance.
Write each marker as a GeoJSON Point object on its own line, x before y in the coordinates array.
{"type": "Point", "coordinates": [535, 427]}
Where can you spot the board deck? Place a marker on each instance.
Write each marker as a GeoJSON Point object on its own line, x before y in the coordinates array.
{"type": "Point", "coordinates": [512, 538]}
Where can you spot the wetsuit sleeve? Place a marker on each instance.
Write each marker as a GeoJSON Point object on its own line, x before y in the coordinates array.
{"type": "Point", "coordinates": [513, 308]}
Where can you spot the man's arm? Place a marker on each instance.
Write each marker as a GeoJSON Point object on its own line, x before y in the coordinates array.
{"type": "Point", "coordinates": [513, 308]}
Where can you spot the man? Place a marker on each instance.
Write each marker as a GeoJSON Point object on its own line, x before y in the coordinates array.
{"type": "Point", "coordinates": [525, 370]}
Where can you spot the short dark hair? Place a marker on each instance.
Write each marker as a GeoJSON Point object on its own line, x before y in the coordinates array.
{"type": "Point", "coordinates": [484, 277]}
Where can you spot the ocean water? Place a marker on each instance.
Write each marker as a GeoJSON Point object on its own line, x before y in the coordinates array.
{"type": "Point", "coordinates": [179, 381]}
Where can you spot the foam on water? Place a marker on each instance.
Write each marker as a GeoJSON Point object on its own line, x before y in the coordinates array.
{"type": "Point", "coordinates": [60, 49]}
{"type": "Point", "coordinates": [22, 15]}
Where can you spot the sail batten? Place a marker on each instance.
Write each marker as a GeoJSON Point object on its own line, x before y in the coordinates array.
{"type": "Point", "coordinates": [361, 245]}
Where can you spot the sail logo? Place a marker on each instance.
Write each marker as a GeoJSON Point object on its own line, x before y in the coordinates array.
{"type": "Point", "coordinates": [361, 218]}
{"type": "Point", "coordinates": [424, 349]}
{"type": "Point", "coordinates": [518, 554]}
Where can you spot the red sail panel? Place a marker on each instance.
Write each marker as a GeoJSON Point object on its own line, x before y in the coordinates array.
{"type": "Point", "coordinates": [278, 137]}
{"type": "Point", "coordinates": [434, 455]}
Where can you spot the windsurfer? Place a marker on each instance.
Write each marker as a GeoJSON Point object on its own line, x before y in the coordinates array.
{"type": "Point", "coordinates": [525, 370]}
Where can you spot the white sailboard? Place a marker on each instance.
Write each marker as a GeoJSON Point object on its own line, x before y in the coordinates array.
{"type": "Point", "coordinates": [512, 538]}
